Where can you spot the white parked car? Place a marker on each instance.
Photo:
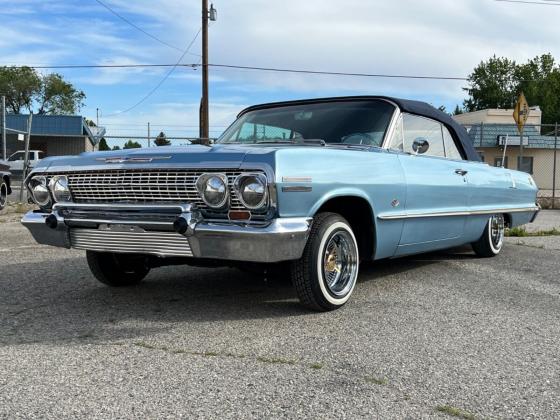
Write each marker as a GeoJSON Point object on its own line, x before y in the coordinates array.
{"type": "Point", "coordinates": [17, 159]}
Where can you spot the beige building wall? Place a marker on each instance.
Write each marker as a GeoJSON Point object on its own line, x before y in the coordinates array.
{"type": "Point", "coordinates": [497, 116]}
{"type": "Point", "coordinates": [543, 165]}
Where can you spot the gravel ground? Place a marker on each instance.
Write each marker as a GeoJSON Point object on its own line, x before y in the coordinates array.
{"type": "Point", "coordinates": [479, 335]}
{"type": "Point", "coordinates": [546, 220]}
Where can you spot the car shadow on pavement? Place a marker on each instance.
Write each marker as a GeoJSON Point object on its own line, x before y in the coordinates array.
{"type": "Point", "coordinates": [60, 301]}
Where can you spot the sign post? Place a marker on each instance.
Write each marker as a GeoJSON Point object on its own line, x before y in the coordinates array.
{"type": "Point", "coordinates": [520, 115]}
{"type": "Point", "coordinates": [26, 159]}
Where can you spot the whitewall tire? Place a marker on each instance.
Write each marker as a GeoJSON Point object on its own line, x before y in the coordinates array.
{"type": "Point", "coordinates": [492, 240]}
{"type": "Point", "coordinates": [326, 274]}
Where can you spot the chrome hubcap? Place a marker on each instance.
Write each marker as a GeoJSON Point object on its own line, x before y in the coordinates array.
{"type": "Point", "coordinates": [340, 263]}
{"type": "Point", "coordinates": [497, 229]}
{"type": "Point", "coordinates": [3, 195]}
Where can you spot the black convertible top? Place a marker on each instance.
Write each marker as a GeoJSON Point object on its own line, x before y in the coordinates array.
{"type": "Point", "coordinates": [413, 107]}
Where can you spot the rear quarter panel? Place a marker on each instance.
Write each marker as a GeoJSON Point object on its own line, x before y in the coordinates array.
{"type": "Point", "coordinates": [498, 188]}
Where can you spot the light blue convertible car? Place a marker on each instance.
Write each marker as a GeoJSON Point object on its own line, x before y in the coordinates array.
{"type": "Point", "coordinates": [315, 186]}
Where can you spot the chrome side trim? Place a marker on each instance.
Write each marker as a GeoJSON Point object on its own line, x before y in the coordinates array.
{"type": "Point", "coordinates": [297, 188]}
{"type": "Point", "coordinates": [395, 216]}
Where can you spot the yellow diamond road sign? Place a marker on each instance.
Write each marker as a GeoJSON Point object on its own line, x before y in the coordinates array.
{"type": "Point", "coordinates": [521, 112]}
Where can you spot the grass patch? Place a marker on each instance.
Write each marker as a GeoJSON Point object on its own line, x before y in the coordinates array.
{"type": "Point", "coordinates": [21, 208]}
{"type": "Point", "coordinates": [376, 381]}
{"type": "Point", "coordinates": [145, 345]}
{"type": "Point", "coordinates": [276, 360]}
{"type": "Point", "coordinates": [316, 366]}
{"type": "Point", "coordinates": [521, 232]}
{"type": "Point", "coordinates": [455, 412]}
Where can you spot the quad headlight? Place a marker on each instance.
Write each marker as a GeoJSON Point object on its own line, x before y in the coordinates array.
{"type": "Point", "coordinates": [60, 190]}
{"type": "Point", "coordinates": [252, 190]}
{"type": "Point", "coordinates": [213, 188]}
{"type": "Point", "coordinates": [40, 191]}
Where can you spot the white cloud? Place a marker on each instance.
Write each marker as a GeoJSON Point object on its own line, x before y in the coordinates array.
{"type": "Point", "coordinates": [421, 37]}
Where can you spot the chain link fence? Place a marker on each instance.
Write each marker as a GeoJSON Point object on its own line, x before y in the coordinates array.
{"type": "Point", "coordinates": [500, 144]}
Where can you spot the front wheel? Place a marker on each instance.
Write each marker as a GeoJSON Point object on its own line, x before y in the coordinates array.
{"type": "Point", "coordinates": [325, 276]}
{"type": "Point", "coordinates": [492, 240]}
{"type": "Point", "coordinates": [117, 270]}
{"type": "Point", "coordinates": [3, 194]}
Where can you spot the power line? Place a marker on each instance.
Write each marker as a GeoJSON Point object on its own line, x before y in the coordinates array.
{"type": "Point", "coordinates": [336, 73]}
{"type": "Point", "coordinates": [255, 68]}
{"type": "Point", "coordinates": [155, 38]}
{"type": "Point", "coordinates": [151, 92]}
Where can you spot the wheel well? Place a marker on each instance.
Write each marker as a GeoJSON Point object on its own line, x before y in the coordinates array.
{"type": "Point", "coordinates": [507, 219]}
{"type": "Point", "coordinates": [6, 178]}
{"type": "Point", "coordinates": [359, 214]}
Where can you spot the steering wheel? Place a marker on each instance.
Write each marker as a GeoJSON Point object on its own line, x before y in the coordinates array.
{"type": "Point", "coordinates": [359, 138]}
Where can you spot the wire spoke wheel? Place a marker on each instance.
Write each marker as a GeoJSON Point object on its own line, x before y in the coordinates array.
{"type": "Point", "coordinates": [497, 230]}
{"type": "Point", "coordinates": [3, 195]}
{"type": "Point", "coordinates": [340, 263]}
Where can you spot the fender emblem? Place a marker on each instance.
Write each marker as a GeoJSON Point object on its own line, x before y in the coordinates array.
{"type": "Point", "coordinates": [133, 159]}
{"type": "Point", "coordinates": [395, 203]}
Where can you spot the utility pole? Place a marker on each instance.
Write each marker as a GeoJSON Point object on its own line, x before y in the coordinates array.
{"type": "Point", "coordinates": [97, 112]}
{"type": "Point", "coordinates": [148, 134]}
{"type": "Point", "coordinates": [26, 157]}
{"type": "Point", "coordinates": [4, 146]}
{"type": "Point", "coordinates": [204, 114]}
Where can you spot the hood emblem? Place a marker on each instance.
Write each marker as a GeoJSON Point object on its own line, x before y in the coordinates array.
{"type": "Point", "coordinates": [132, 159]}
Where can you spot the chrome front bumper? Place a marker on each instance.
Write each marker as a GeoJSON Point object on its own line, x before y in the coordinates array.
{"type": "Point", "coordinates": [185, 235]}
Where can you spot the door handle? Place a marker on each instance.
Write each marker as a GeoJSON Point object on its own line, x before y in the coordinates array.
{"type": "Point", "coordinates": [461, 172]}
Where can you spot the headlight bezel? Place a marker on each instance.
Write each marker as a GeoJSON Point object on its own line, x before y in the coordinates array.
{"type": "Point", "coordinates": [241, 182]}
{"type": "Point", "coordinates": [38, 182]}
{"type": "Point", "coordinates": [202, 183]}
{"type": "Point", "coordinates": [61, 180]}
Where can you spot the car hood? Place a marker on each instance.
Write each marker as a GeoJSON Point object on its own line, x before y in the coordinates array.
{"type": "Point", "coordinates": [223, 156]}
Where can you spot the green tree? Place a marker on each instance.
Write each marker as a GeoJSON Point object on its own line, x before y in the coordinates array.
{"type": "Point", "coordinates": [539, 80]}
{"type": "Point", "coordinates": [161, 140]}
{"type": "Point", "coordinates": [457, 110]}
{"type": "Point", "coordinates": [27, 90]}
{"type": "Point", "coordinates": [20, 85]}
{"type": "Point", "coordinates": [492, 84]}
{"type": "Point", "coordinates": [103, 145]}
{"type": "Point", "coordinates": [57, 96]}
{"type": "Point", "coordinates": [131, 144]}
{"type": "Point", "coordinates": [116, 148]}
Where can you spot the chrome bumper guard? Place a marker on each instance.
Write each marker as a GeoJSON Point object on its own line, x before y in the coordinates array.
{"type": "Point", "coordinates": [167, 231]}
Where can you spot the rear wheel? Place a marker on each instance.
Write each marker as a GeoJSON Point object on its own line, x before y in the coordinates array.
{"type": "Point", "coordinates": [117, 270]}
{"type": "Point", "coordinates": [3, 194]}
{"type": "Point", "coordinates": [492, 240]}
{"type": "Point", "coordinates": [325, 276]}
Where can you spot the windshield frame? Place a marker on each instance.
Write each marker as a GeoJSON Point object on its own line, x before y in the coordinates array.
{"type": "Point", "coordinates": [387, 135]}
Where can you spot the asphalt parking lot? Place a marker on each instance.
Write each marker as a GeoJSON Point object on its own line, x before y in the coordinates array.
{"type": "Point", "coordinates": [472, 337]}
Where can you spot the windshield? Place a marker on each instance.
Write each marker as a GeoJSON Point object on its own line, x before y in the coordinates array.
{"type": "Point", "coordinates": [342, 122]}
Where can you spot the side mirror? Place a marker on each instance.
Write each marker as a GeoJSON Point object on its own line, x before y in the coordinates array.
{"type": "Point", "coordinates": [420, 145]}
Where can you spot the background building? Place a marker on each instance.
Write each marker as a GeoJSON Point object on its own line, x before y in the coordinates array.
{"type": "Point", "coordinates": [52, 134]}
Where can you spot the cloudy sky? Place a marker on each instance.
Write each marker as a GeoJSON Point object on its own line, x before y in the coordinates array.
{"type": "Point", "coordinates": [410, 37]}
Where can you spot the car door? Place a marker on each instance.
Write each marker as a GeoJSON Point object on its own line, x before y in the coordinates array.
{"type": "Point", "coordinates": [437, 188]}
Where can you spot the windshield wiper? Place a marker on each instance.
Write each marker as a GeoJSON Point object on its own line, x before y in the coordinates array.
{"type": "Point", "coordinates": [319, 142]}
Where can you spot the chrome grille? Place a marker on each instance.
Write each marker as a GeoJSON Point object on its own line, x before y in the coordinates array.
{"type": "Point", "coordinates": [154, 243]}
{"type": "Point", "coordinates": [142, 186]}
